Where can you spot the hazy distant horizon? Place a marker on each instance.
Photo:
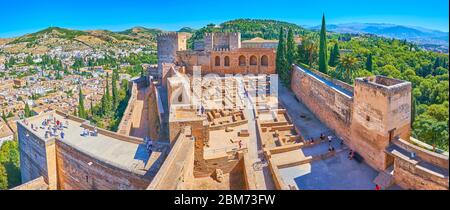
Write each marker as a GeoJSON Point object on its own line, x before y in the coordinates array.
{"type": "Point", "coordinates": [118, 29]}
{"type": "Point", "coordinates": [30, 16]}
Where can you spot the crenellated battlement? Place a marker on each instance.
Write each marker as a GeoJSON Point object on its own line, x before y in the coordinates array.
{"type": "Point", "coordinates": [168, 35]}
{"type": "Point", "coordinates": [221, 49]}
{"type": "Point", "coordinates": [222, 34]}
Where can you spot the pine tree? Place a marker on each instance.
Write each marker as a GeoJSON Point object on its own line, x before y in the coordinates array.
{"type": "Point", "coordinates": [334, 56]}
{"type": "Point", "coordinates": [323, 64]}
{"type": "Point", "coordinates": [369, 63]}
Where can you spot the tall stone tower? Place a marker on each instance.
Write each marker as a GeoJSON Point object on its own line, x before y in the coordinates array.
{"type": "Point", "coordinates": [381, 112]}
{"type": "Point", "coordinates": [216, 41]}
{"type": "Point", "coordinates": [168, 44]}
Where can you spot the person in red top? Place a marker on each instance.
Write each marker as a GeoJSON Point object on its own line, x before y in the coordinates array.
{"type": "Point", "coordinates": [377, 187]}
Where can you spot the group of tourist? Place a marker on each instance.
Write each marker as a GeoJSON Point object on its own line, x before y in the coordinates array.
{"type": "Point", "coordinates": [87, 132]}
{"type": "Point", "coordinates": [53, 127]}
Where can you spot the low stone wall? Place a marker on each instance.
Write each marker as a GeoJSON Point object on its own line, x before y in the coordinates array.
{"type": "Point", "coordinates": [224, 126]}
{"type": "Point", "coordinates": [156, 112]}
{"type": "Point", "coordinates": [425, 171]}
{"type": "Point", "coordinates": [114, 135]}
{"type": "Point", "coordinates": [35, 184]}
{"type": "Point", "coordinates": [286, 148]}
{"type": "Point", "coordinates": [172, 174]}
{"type": "Point", "coordinates": [276, 177]}
{"type": "Point", "coordinates": [408, 176]}
{"type": "Point", "coordinates": [70, 117]}
{"type": "Point", "coordinates": [249, 176]}
{"type": "Point", "coordinates": [225, 163]}
{"type": "Point", "coordinates": [425, 155]}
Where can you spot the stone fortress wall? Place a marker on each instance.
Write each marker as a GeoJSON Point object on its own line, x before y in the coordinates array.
{"type": "Point", "coordinates": [216, 41]}
{"type": "Point", "coordinates": [220, 53]}
{"type": "Point", "coordinates": [371, 118]}
{"type": "Point", "coordinates": [63, 166]}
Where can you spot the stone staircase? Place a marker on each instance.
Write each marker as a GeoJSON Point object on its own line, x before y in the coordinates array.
{"type": "Point", "coordinates": [385, 178]}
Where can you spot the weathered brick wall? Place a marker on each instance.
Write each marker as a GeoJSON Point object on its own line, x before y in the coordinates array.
{"type": "Point", "coordinates": [168, 44]}
{"type": "Point", "coordinates": [33, 157]}
{"type": "Point", "coordinates": [222, 40]}
{"type": "Point", "coordinates": [154, 118]}
{"type": "Point", "coordinates": [74, 172]}
{"type": "Point", "coordinates": [127, 120]}
{"type": "Point", "coordinates": [425, 155]}
{"type": "Point", "coordinates": [177, 169]}
{"type": "Point", "coordinates": [206, 167]}
{"type": "Point", "coordinates": [379, 113]}
{"type": "Point", "coordinates": [207, 61]}
{"type": "Point", "coordinates": [330, 106]}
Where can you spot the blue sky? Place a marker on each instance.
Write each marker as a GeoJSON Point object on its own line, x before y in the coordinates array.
{"type": "Point", "coordinates": [18, 17]}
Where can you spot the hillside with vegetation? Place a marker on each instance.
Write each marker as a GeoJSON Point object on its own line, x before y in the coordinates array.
{"type": "Point", "coordinates": [249, 28]}
{"type": "Point", "coordinates": [44, 41]}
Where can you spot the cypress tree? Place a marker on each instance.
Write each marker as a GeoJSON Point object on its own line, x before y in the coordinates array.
{"type": "Point", "coordinates": [115, 95]}
{"type": "Point", "coordinates": [92, 109]}
{"type": "Point", "coordinates": [281, 51]}
{"type": "Point", "coordinates": [27, 110]}
{"type": "Point", "coordinates": [323, 64]}
{"type": "Point", "coordinates": [413, 110]}
{"type": "Point", "coordinates": [3, 115]}
{"type": "Point", "coordinates": [369, 63]}
{"type": "Point", "coordinates": [291, 47]}
{"type": "Point", "coordinates": [107, 98]}
{"type": "Point", "coordinates": [281, 61]}
{"type": "Point", "coordinates": [107, 93]}
{"type": "Point", "coordinates": [290, 54]}
{"type": "Point", "coordinates": [103, 105]}
{"type": "Point", "coordinates": [81, 111]}
{"type": "Point", "coordinates": [334, 56]}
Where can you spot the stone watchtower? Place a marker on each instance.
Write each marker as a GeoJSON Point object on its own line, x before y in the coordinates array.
{"type": "Point", "coordinates": [213, 41]}
{"type": "Point", "coordinates": [381, 112]}
{"type": "Point", "coordinates": [168, 45]}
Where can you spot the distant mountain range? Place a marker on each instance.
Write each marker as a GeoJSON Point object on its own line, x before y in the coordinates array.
{"type": "Point", "coordinates": [418, 35]}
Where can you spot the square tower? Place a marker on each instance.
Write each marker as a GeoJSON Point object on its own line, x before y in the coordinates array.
{"type": "Point", "coordinates": [168, 44]}
{"type": "Point", "coordinates": [381, 112]}
{"type": "Point", "coordinates": [220, 41]}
